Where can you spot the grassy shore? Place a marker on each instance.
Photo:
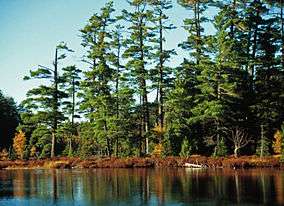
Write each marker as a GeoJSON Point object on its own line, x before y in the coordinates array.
{"type": "Point", "coordinates": [149, 162]}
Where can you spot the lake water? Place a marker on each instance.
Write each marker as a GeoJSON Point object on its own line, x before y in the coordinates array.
{"type": "Point", "coordinates": [141, 187]}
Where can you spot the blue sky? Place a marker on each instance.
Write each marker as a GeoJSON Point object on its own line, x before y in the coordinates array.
{"type": "Point", "coordinates": [30, 30]}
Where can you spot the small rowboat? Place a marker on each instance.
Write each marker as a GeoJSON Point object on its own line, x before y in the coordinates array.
{"type": "Point", "coordinates": [189, 165]}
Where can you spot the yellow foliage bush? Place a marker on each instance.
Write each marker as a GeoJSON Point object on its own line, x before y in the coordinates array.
{"type": "Point", "coordinates": [277, 142]}
{"type": "Point", "coordinates": [159, 131]}
{"type": "Point", "coordinates": [158, 150]}
{"type": "Point", "coordinates": [19, 144]}
{"type": "Point", "coordinates": [33, 151]}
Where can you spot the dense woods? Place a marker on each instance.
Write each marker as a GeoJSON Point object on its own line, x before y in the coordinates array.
{"type": "Point", "coordinates": [226, 97]}
{"type": "Point", "coordinates": [9, 120]}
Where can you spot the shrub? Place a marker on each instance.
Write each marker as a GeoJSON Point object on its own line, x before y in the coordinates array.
{"type": "Point", "coordinates": [220, 149]}
{"type": "Point", "coordinates": [263, 147]}
{"type": "Point", "coordinates": [167, 150]}
{"type": "Point", "coordinates": [45, 152]}
{"type": "Point", "coordinates": [186, 148]}
{"type": "Point", "coordinates": [159, 132]}
{"type": "Point", "coordinates": [33, 152]}
{"type": "Point", "coordinates": [158, 150]}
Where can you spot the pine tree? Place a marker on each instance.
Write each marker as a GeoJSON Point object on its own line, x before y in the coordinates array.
{"type": "Point", "coordinates": [43, 102]}
{"type": "Point", "coordinates": [161, 75]}
{"type": "Point", "coordinates": [70, 84]}
{"type": "Point", "coordinates": [187, 86]}
{"type": "Point", "coordinates": [218, 81]}
{"type": "Point", "coordinates": [179, 103]}
{"type": "Point", "coordinates": [98, 101]}
{"type": "Point", "coordinates": [278, 6]}
{"type": "Point", "coordinates": [71, 81]}
{"type": "Point", "coordinates": [263, 144]}
{"type": "Point", "coordinates": [268, 101]}
{"type": "Point", "coordinates": [137, 53]}
{"type": "Point", "coordinates": [121, 126]}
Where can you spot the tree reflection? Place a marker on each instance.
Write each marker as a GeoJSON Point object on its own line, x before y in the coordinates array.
{"type": "Point", "coordinates": [144, 186]}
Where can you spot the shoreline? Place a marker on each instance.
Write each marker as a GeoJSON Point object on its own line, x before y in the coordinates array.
{"type": "Point", "coordinates": [243, 162]}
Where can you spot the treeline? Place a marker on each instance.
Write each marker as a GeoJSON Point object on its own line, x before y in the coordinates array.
{"type": "Point", "coordinates": [227, 93]}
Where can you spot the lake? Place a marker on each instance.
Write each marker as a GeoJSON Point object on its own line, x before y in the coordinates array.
{"type": "Point", "coordinates": [141, 187]}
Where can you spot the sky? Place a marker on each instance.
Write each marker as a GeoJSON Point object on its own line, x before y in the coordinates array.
{"type": "Point", "coordinates": [30, 30]}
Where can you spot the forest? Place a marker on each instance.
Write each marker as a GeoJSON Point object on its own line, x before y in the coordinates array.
{"type": "Point", "coordinates": [225, 98]}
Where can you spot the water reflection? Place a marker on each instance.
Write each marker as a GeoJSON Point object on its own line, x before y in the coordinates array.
{"type": "Point", "coordinates": [141, 187]}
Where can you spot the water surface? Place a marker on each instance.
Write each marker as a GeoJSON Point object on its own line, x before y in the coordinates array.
{"type": "Point", "coordinates": [141, 187]}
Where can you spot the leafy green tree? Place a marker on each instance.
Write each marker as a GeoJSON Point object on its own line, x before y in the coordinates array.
{"type": "Point", "coordinates": [120, 123]}
{"type": "Point", "coordinates": [161, 74]}
{"type": "Point", "coordinates": [138, 52]}
{"type": "Point", "coordinates": [182, 99]}
{"type": "Point", "coordinates": [71, 81]}
{"type": "Point", "coordinates": [98, 100]}
{"type": "Point", "coordinates": [179, 103]}
{"type": "Point", "coordinates": [218, 82]}
{"type": "Point", "coordinates": [9, 120]}
{"type": "Point", "coordinates": [88, 143]}
{"type": "Point", "coordinates": [276, 13]}
{"type": "Point", "coordinates": [40, 140]}
{"type": "Point", "coordinates": [43, 102]}
{"type": "Point", "coordinates": [70, 85]}
{"type": "Point", "coordinates": [267, 104]}
{"type": "Point", "coordinates": [230, 78]}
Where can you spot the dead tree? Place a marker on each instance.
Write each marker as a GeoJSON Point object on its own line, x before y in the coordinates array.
{"type": "Point", "coordinates": [240, 139]}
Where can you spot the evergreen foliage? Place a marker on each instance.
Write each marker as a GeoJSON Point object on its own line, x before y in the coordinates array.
{"type": "Point", "coordinates": [230, 78]}
{"type": "Point", "coordinates": [9, 120]}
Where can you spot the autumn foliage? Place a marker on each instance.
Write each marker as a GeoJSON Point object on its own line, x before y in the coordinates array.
{"type": "Point", "coordinates": [19, 144]}
{"type": "Point", "coordinates": [158, 150]}
{"type": "Point", "coordinates": [33, 151]}
{"type": "Point", "coordinates": [277, 142]}
{"type": "Point", "coordinates": [159, 131]}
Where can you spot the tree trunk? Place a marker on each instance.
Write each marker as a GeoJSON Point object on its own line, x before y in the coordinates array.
{"type": "Point", "coordinates": [254, 48]}
{"type": "Point", "coordinates": [262, 141]}
{"type": "Point", "coordinates": [70, 147]}
{"type": "Point", "coordinates": [52, 144]}
{"type": "Point", "coordinates": [117, 88]}
{"type": "Point", "coordinates": [140, 130]}
{"type": "Point", "coordinates": [198, 32]}
{"type": "Point", "coordinates": [217, 121]}
{"type": "Point", "coordinates": [161, 83]}
{"type": "Point", "coordinates": [73, 102]}
{"type": "Point", "coordinates": [55, 107]}
{"type": "Point", "coordinates": [145, 105]}
{"type": "Point", "coordinates": [236, 150]}
{"type": "Point", "coordinates": [146, 119]}
{"type": "Point", "coordinates": [109, 153]}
